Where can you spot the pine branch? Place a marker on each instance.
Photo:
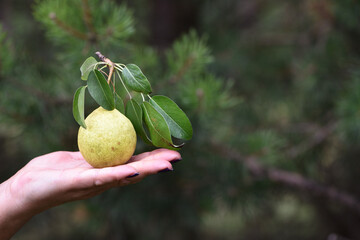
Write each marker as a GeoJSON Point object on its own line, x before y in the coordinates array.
{"type": "Point", "coordinates": [182, 71]}
{"type": "Point", "coordinates": [40, 95]}
{"type": "Point", "coordinates": [88, 19]}
{"type": "Point", "coordinates": [16, 116]}
{"type": "Point", "coordinates": [289, 179]}
{"type": "Point", "coordinates": [72, 31]}
{"type": "Point", "coordinates": [317, 137]}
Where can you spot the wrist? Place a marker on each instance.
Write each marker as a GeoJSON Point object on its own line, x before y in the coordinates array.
{"type": "Point", "coordinates": [13, 212]}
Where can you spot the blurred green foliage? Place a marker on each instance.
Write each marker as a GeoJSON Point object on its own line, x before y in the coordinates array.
{"type": "Point", "coordinates": [275, 81]}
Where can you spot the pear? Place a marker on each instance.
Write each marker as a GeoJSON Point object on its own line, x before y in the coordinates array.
{"type": "Point", "coordinates": [108, 140]}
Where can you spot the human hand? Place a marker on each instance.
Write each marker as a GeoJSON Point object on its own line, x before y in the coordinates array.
{"type": "Point", "coordinates": [60, 177]}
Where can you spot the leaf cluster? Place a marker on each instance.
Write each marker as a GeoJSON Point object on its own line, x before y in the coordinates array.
{"type": "Point", "coordinates": [162, 117]}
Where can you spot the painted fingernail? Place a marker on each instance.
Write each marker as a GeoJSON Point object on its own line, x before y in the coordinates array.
{"type": "Point", "coordinates": [176, 160]}
{"type": "Point", "coordinates": [166, 170]}
{"type": "Point", "coordinates": [133, 175]}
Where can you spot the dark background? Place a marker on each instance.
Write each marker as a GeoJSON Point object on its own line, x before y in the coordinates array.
{"type": "Point", "coordinates": [271, 87]}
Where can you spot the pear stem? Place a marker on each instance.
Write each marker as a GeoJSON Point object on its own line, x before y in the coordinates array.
{"type": "Point", "coordinates": [109, 63]}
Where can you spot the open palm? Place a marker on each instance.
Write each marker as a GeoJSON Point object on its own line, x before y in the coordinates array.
{"type": "Point", "coordinates": [59, 177]}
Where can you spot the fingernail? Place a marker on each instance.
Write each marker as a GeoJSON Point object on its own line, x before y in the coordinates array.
{"type": "Point", "coordinates": [166, 170]}
{"type": "Point", "coordinates": [133, 175]}
{"type": "Point", "coordinates": [176, 160]}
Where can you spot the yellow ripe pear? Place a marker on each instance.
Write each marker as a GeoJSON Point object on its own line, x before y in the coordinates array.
{"type": "Point", "coordinates": [108, 140]}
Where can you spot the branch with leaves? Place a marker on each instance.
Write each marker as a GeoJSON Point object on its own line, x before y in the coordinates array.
{"type": "Point", "coordinates": [72, 31]}
{"type": "Point", "coordinates": [163, 117]}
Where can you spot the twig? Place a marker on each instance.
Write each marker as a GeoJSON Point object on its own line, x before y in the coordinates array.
{"type": "Point", "coordinates": [103, 72]}
{"type": "Point", "coordinates": [109, 63]}
{"type": "Point", "coordinates": [101, 57]}
{"type": "Point", "coordinates": [72, 31]}
{"type": "Point", "coordinates": [111, 71]}
{"type": "Point", "coordinates": [290, 179]}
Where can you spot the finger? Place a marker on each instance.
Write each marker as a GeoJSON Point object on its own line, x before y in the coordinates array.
{"type": "Point", "coordinates": [148, 167]}
{"type": "Point", "coordinates": [104, 176]}
{"type": "Point", "coordinates": [141, 170]}
{"type": "Point", "coordinates": [164, 154]}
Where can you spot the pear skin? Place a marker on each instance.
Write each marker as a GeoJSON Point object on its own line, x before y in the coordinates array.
{"type": "Point", "coordinates": [108, 140]}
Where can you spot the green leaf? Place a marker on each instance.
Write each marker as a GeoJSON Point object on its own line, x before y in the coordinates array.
{"type": "Point", "coordinates": [179, 124]}
{"type": "Point", "coordinates": [88, 66]}
{"type": "Point", "coordinates": [78, 106]}
{"type": "Point", "coordinates": [100, 90]}
{"type": "Point", "coordinates": [158, 128]}
{"type": "Point", "coordinates": [119, 104]}
{"type": "Point", "coordinates": [135, 79]}
{"type": "Point", "coordinates": [134, 113]}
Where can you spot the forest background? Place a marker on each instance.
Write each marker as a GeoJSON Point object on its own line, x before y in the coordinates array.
{"type": "Point", "coordinates": [272, 89]}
